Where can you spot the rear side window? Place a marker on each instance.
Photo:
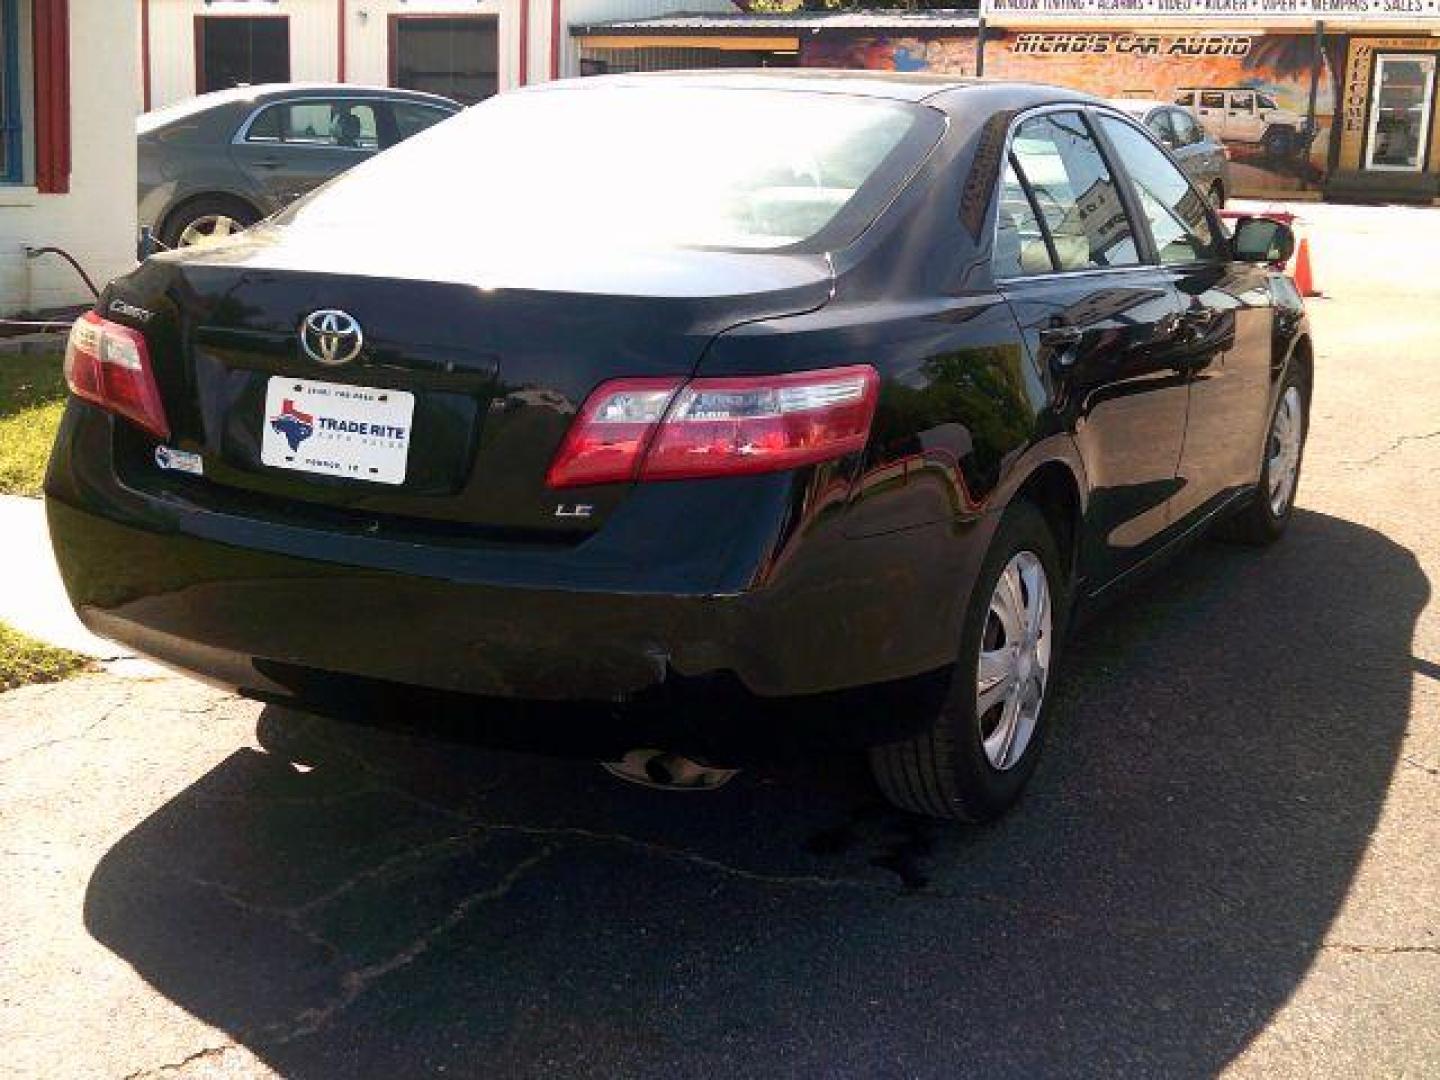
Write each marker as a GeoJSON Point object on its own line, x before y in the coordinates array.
{"type": "Point", "coordinates": [1242, 101]}
{"type": "Point", "coordinates": [1212, 99]}
{"type": "Point", "coordinates": [349, 124]}
{"type": "Point", "coordinates": [1020, 244]}
{"type": "Point", "coordinates": [1177, 213]}
{"type": "Point", "coordinates": [411, 119]}
{"type": "Point", "coordinates": [1071, 195]}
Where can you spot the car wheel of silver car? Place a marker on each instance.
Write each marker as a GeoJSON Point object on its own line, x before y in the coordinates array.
{"type": "Point", "coordinates": [981, 747]}
{"type": "Point", "coordinates": [1265, 516]}
{"type": "Point", "coordinates": [207, 221]}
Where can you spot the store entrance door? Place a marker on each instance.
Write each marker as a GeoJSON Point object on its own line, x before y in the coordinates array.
{"type": "Point", "coordinates": [1401, 101]}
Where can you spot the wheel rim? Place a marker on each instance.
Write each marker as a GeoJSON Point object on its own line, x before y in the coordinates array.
{"type": "Point", "coordinates": [209, 229]}
{"type": "Point", "coordinates": [1283, 454]}
{"type": "Point", "coordinates": [1014, 665]}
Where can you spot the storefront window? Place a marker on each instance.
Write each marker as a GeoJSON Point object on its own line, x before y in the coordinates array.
{"type": "Point", "coordinates": [242, 51]}
{"type": "Point", "coordinates": [1400, 112]}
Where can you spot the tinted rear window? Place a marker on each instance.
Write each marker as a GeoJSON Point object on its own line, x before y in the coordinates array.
{"type": "Point", "coordinates": [749, 170]}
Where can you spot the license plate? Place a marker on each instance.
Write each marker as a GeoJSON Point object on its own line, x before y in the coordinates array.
{"type": "Point", "coordinates": [357, 432]}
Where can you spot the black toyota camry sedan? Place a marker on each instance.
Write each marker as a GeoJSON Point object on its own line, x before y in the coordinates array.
{"type": "Point", "coordinates": [703, 405]}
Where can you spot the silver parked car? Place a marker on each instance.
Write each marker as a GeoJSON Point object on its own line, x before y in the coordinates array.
{"type": "Point", "coordinates": [220, 162]}
{"type": "Point", "coordinates": [1198, 152]}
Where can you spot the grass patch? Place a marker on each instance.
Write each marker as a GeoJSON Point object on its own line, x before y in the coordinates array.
{"type": "Point", "coordinates": [32, 398]}
{"type": "Point", "coordinates": [24, 661]}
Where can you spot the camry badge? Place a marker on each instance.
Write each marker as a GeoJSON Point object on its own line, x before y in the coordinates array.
{"type": "Point", "coordinates": [331, 337]}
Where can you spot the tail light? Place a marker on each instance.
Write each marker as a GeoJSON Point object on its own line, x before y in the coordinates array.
{"type": "Point", "coordinates": [670, 429]}
{"type": "Point", "coordinates": [109, 364]}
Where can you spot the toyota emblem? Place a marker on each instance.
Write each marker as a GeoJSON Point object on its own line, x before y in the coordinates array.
{"type": "Point", "coordinates": [331, 337]}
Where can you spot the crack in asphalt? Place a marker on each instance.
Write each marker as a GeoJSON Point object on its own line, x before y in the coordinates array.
{"type": "Point", "coordinates": [289, 917]}
{"type": "Point", "coordinates": [1357, 949]}
{"type": "Point", "coordinates": [176, 1066]}
{"type": "Point", "coordinates": [1406, 759]}
{"type": "Point", "coordinates": [355, 982]}
{"type": "Point", "coordinates": [78, 736]}
{"type": "Point", "coordinates": [564, 832]}
{"type": "Point", "coordinates": [1396, 445]}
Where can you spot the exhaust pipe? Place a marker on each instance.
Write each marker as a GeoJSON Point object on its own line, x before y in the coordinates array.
{"type": "Point", "coordinates": [668, 772]}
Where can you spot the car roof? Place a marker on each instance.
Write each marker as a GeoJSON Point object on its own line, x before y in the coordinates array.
{"type": "Point", "coordinates": [945, 91]}
{"type": "Point", "coordinates": [263, 93]}
{"type": "Point", "coordinates": [1137, 106]}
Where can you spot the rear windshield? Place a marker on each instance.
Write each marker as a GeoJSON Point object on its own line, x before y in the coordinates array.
{"type": "Point", "coordinates": [646, 167]}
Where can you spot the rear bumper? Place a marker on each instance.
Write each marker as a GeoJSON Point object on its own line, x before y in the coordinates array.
{"type": "Point", "coordinates": [779, 609]}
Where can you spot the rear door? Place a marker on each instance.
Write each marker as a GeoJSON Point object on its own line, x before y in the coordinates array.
{"type": "Point", "coordinates": [1101, 321]}
{"type": "Point", "coordinates": [292, 147]}
{"type": "Point", "coordinates": [1224, 345]}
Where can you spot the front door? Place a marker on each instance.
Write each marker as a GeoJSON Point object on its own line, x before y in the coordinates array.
{"type": "Point", "coordinates": [1102, 326]}
{"type": "Point", "coordinates": [1402, 97]}
{"type": "Point", "coordinates": [1224, 345]}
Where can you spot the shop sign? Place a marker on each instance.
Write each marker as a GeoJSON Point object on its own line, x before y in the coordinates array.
{"type": "Point", "coordinates": [1099, 44]}
{"type": "Point", "coordinates": [1019, 12]}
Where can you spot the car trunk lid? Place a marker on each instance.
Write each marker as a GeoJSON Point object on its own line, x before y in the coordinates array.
{"type": "Point", "coordinates": [493, 358]}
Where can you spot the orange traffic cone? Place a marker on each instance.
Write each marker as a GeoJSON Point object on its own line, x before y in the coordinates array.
{"type": "Point", "coordinates": [1303, 275]}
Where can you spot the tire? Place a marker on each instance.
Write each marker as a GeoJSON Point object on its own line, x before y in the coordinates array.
{"type": "Point", "coordinates": [1217, 195]}
{"type": "Point", "coordinates": [1263, 519]}
{"type": "Point", "coordinates": [195, 213]}
{"type": "Point", "coordinates": [1279, 141]}
{"type": "Point", "coordinates": [947, 771]}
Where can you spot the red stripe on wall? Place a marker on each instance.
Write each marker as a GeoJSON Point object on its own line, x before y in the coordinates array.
{"type": "Point", "coordinates": [524, 42]}
{"type": "Point", "coordinates": [555, 39]}
{"type": "Point", "coordinates": [52, 96]}
{"type": "Point", "coordinates": [145, 50]}
{"type": "Point", "coordinates": [340, 41]}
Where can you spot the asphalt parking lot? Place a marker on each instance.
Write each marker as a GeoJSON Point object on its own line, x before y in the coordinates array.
{"type": "Point", "coordinates": [1226, 864]}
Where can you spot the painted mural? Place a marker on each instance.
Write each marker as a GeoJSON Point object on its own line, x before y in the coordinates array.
{"type": "Point", "coordinates": [1252, 91]}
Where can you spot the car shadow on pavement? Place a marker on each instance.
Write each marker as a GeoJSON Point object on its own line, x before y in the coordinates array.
{"type": "Point", "coordinates": [362, 903]}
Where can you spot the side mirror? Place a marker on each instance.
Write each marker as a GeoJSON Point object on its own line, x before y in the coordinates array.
{"type": "Point", "coordinates": [1262, 240]}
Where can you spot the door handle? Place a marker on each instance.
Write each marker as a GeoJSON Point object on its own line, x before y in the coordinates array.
{"type": "Point", "coordinates": [269, 163]}
{"type": "Point", "coordinates": [1060, 341]}
{"type": "Point", "coordinates": [1061, 337]}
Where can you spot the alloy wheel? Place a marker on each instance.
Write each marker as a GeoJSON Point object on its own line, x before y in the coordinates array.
{"type": "Point", "coordinates": [209, 229]}
{"type": "Point", "coordinates": [1014, 665]}
{"type": "Point", "coordinates": [1283, 454]}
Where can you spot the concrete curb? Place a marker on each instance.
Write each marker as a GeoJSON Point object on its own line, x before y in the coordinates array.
{"type": "Point", "coordinates": [32, 595]}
